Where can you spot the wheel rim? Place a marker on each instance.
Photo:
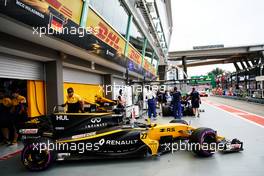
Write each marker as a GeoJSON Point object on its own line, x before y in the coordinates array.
{"type": "Point", "coordinates": [34, 159]}
{"type": "Point", "coordinates": [208, 138]}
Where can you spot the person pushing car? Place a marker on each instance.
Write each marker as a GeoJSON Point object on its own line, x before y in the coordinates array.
{"type": "Point", "coordinates": [74, 102]}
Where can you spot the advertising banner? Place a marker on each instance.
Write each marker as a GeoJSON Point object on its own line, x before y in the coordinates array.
{"type": "Point", "coordinates": [153, 70]}
{"type": "Point", "coordinates": [61, 18]}
{"type": "Point", "coordinates": [116, 41]}
{"type": "Point", "coordinates": [108, 43]}
{"type": "Point", "coordinates": [105, 32]}
{"type": "Point", "coordinates": [134, 55]}
{"type": "Point", "coordinates": [37, 12]}
{"type": "Point", "coordinates": [146, 65]}
{"type": "Point", "coordinates": [135, 59]}
{"type": "Point", "coordinates": [150, 69]}
{"type": "Point", "coordinates": [66, 8]}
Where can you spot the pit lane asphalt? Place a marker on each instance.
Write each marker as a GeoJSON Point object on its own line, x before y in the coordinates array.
{"type": "Point", "coordinates": [247, 163]}
{"type": "Point", "coordinates": [243, 105]}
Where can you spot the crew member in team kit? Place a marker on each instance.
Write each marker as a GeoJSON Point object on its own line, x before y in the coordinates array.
{"type": "Point", "coordinates": [176, 102]}
{"type": "Point", "coordinates": [75, 103]}
{"type": "Point", "coordinates": [151, 99]}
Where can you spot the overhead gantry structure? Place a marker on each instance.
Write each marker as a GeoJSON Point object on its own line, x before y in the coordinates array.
{"type": "Point", "coordinates": [244, 58]}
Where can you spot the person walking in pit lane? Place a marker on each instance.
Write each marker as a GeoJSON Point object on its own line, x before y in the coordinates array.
{"type": "Point", "coordinates": [196, 101]}
{"type": "Point", "coordinates": [151, 99]}
{"type": "Point", "coordinates": [176, 102]}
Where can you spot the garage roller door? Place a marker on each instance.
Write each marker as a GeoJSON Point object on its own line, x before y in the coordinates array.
{"type": "Point", "coordinates": [118, 81]}
{"type": "Point", "coordinates": [19, 68]}
{"type": "Point", "coordinates": [71, 75]}
{"type": "Point", "coordinates": [85, 84]}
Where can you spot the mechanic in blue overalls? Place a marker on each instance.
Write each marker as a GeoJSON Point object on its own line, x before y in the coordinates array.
{"type": "Point", "coordinates": [176, 103]}
{"type": "Point", "coordinates": [151, 99]}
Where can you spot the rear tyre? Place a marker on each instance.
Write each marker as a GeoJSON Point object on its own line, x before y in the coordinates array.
{"type": "Point", "coordinates": [166, 111]}
{"type": "Point", "coordinates": [35, 159]}
{"type": "Point", "coordinates": [203, 140]}
{"type": "Point", "coordinates": [179, 121]}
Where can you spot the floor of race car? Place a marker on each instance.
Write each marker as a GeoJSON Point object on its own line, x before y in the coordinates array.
{"type": "Point", "coordinates": [228, 123]}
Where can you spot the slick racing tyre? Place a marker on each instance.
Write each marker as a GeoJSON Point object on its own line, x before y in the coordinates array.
{"type": "Point", "coordinates": [35, 158]}
{"type": "Point", "coordinates": [203, 141]}
{"type": "Point", "coordinates": [179, 121]}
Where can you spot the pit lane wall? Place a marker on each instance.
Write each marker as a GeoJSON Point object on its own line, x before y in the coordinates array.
{"type": "Point", "coordinates": [64, 15]}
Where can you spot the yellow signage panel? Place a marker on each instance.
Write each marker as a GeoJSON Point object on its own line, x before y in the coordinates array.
{"type": "Point", "coordinates": [105, 32]}
{"type": "Point", "coordinates": [154, 70]}
{"type": "Point", "coordinates": [134, 55]}
{"type": "Point", "coordinates": [67, 8]}
{"type": "Point", "coordinates": [147, 66]}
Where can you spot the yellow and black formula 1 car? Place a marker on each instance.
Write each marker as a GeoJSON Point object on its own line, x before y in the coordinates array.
{"type": "Point", "coordinates": [103, 135]}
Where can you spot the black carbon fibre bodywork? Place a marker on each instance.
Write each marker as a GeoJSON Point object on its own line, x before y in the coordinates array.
{"type": "Point", "coordinates": [68, 125]}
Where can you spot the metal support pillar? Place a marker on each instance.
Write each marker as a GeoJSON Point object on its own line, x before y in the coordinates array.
{"type": "Point", "coordinates": [236, 66]}
{"type": "Point", "coordinates": [243, 65]}
{"type": "Point", "coordinates": [130, 18]}
{"type": "Point", "coordinates": [144, 50]}
{"type": "Point", "coordinates": [184, 67]}
{"type": "Point", "coordinates": [84, 14]}
{"type": "Point", "coordinates": [54, 84]}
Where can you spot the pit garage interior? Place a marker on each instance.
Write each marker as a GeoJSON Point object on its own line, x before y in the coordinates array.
{"type": "Point", "coordinates": [53, 58]}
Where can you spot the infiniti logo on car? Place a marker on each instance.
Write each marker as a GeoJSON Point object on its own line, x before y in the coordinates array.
{"type": "Point", "coordinates": [96, 120]}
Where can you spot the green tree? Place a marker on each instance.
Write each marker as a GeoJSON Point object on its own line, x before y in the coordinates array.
{"type": "Point", "coordinates": [216, 72]}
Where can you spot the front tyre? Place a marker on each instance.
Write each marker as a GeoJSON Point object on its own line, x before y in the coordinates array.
{"type": "Point", "coordinates": [35, 159]}
{"type": "Point", "coordinates": [203, 141]}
